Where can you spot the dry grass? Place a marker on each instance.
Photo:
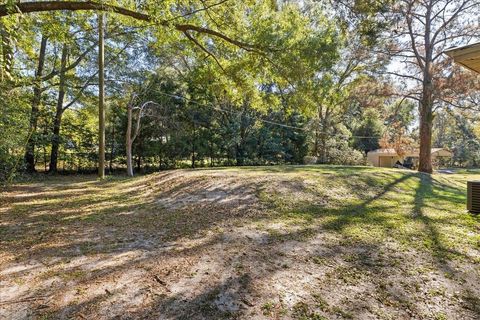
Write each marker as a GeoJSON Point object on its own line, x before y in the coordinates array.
{"type": "Point", "coordinates": [314, 242]}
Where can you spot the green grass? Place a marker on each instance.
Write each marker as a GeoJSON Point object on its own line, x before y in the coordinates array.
{"type": "Point", "coordinates": [414, 209]}
{"type": "Point", "coordinates": [369, 222]}
{"type": "Point", "coordinates": [360, 203]}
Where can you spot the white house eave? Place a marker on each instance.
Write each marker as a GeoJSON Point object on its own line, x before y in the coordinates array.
{"type": "Point", "coordinates": [467, 56]}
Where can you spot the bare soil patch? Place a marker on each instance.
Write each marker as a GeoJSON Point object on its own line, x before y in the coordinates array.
{"type": "Point", "coordinates": [259, 243]}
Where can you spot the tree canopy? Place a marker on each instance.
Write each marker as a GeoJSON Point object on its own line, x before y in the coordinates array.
{"type": "Point", "coordinates": [231, 82]}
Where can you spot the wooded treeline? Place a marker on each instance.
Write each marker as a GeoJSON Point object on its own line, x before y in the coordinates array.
{"type": "Point", "coordinates": [237, 83]}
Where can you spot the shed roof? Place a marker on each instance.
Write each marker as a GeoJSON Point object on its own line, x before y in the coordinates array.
{"type": "Point", "coordinates": [391, 152]}
{"type": "Point", "coordinates": [441, 152]}
{"type": "Point", "coordinates": [384, 151]}
{"type": "Point", "coordinates": [468, 56]}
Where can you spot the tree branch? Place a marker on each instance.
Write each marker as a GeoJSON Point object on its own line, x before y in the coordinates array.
{"type": "Point", "coordinates": [43, 6]}
{"type": "Point", "coordinates": [87, 83]}
{"type": "Point", "coordinates": [189, 36]}
{"type": "Point", "coordinates": [401, 75]}
{"type": "Point", "coordinates": [204, 8]}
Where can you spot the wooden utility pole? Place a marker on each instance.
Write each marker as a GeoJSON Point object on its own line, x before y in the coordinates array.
{"type": "Point", "coordinates": [101, 98]}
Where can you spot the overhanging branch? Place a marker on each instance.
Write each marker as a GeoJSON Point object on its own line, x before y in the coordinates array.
{"type": "Point", "coordinates": [42, 6]}
{"type": "Point", "coordinates": [45, 6]}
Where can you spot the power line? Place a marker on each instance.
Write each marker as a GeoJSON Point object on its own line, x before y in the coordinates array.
{"type": "Point", "coordinates": [248, 116]}
{"type": "Point", "coordinates": [231, 111]}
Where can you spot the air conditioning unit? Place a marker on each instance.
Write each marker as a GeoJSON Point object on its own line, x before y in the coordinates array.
{"type": "Point", "coordinates": [473, 196]}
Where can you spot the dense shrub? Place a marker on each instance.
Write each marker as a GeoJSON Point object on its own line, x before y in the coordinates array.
{"type": "Point", "coordinates": [347, 156]}
{"type": "Point", "coordinates": [310, 160]}
{"type": "Point", "coordinates": [13, 131]}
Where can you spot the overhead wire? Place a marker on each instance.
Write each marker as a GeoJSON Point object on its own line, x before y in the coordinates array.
{"type": "Point", "coordinates": [248, 116]}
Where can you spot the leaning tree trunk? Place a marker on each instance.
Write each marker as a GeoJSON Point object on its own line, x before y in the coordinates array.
{"type": "Point", "coordinates": [129, 138]}
{"type": "Point", "coordinates": [37, 96]}
{"type": "Point", "coordinates": [57, 122]}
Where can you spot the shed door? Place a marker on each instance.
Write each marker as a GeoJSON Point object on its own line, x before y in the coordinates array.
{"type": "Point", "coordinates": [385, 162]}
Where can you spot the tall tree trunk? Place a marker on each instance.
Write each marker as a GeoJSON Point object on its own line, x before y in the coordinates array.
{"type": "Point", "coordinates": [212, 159]}
{"type": "Point", "coordinates": [240, 146]}
{"type": "Point", "coordinates": [160, 158]}
{"type": "Point", "coordinates": [322, 133]}
{"type": "Point", "coordinates": [112, 147]}
{"type": "Point", "coordinates": [37, 97]}
{"type": "Point", "coordinates": [239, 154]}
{"type": "Point", "coordinates": [44, 158]}
{"type": "Point", "coordinates": [193, 146]}
{"type": "Point", "coordinates": [323, 141]}
{"type": "Point", "coordinates": [101, 98]}
{"type": "Point", "coordinates": [140, 158]}
{"type": "Point", "coordinates": [129, 141]}
{"type": "Point", "coordinates": [57, 122]}
{"type": "Point", "coordinates": [139, 161]}
{"type": "Point", "coordinates": [426, 123]}
{"type": "Point", "coordinates": [427, 99]}
{"type": "Point", "coordinates": [316, 145]}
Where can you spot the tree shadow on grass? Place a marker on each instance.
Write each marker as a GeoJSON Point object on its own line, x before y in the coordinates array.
{"type": "Point", "coordinates": [440, 252]}
{"type": "Point", "coordinates": [97, 220]}
{"type": "Point", "coordinates": [425, 194]}
{"type": "Point", "coordinates": [371, 212]}
{"type": "Point", "coordinates": [190, 224]}
{"type": "Point", "coordinates": [233, 296]}
{"type": "Point", "coordinates": [353, 214]}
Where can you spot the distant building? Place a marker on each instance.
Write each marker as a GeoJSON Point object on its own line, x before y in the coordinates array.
{"type": "Point", "coordinates": [387, 158]}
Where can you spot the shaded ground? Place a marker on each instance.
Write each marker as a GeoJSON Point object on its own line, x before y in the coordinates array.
{"type": "Point", "coordinates": [316, 242]}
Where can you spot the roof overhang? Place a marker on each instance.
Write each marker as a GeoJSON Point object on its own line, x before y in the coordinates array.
{"type": "Point", "coordinates": [468, 56]}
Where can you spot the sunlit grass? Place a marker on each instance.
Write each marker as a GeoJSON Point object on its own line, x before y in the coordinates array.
{"type": "Point", "coordinates": [370, 219]}
{"type": "Point", "coordinates": [413, 209]}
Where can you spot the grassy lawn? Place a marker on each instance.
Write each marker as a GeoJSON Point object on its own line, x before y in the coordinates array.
{"type": "Point", "coordinates": [286, 242]}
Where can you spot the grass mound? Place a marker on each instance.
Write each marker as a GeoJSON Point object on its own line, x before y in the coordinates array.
{"type": "Point", "coordinates": [293, 242]}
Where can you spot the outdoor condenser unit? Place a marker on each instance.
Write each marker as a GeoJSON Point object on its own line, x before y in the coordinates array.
{"type": "Point", "coordinates": [473, 196]}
